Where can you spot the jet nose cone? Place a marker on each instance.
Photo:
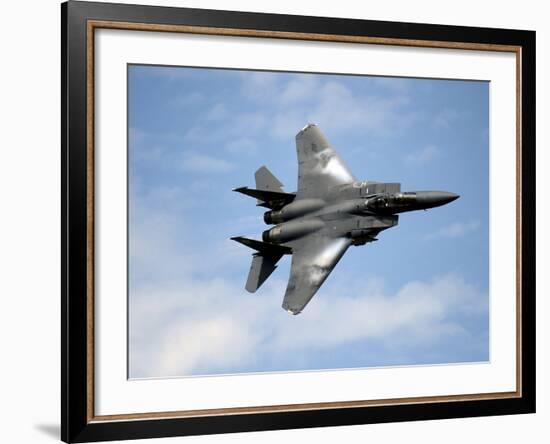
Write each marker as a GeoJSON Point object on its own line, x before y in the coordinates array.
{"type": "Point", "coordinates": [447, 197]}
{"type": "Point", "coordinates": [430, 199]}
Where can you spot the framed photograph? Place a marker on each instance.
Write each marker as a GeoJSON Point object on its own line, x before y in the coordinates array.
{"type": "Point", "coordinates": [275, 222]}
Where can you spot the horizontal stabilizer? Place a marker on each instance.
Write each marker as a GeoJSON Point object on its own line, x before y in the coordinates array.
{"type": "Point", "coordinates": [265, 248]}
{"type": "Point", "coordinates": [269, 199]}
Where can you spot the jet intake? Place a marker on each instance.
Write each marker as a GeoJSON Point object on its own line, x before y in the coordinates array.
{"type": "Point", "coordinates": [291, 230]}
{"type": "Point", "coordinates": [293, 210]}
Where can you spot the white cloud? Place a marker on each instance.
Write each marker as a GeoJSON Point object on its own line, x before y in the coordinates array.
{"type": "Point", "coordinates": [275, 107]}
{"type": "Point", "coordinates": [339, 108]}
{"type": "Point", "coordinates": [255, 84]}
{"type": "Point", "coordinates": [217, 112]}
{"type": "Point", "coordinates": [335, 107]}
{"type": "Point", "coordinates": [189, 312]}
{"type": "Point", "coordinates": [423, 156]}
{"type": "Point", "coordinates": [281, 108]}
{"type": "Point", "coordinates": [162, 248]}
{"type": "Point", "coordinates": [241, 146]}
{"type": "Point", "coordinates": [299, 89]}
{"type": "Point", "coordinates": [185, 320]}
{"type": "Point", "coordinates": [200, 327]}
{"type": "Point", "coordinates": [202, 163]}
{"type": "Point", "coordinates": [456, 229]}
{"type": "Point", "coordinates": [189, 100]}
{"type": "Point", "coordinates": [223, 342]}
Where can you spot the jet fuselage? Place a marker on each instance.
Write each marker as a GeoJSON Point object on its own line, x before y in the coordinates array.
{"type": "Point", "coordinates": [350, 211]}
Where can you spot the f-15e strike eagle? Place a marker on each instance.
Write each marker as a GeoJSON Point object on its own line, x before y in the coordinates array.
{"type": "Point", "coordinates": [330, 211]}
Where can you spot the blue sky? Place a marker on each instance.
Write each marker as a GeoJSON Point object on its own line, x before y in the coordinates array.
{"type": "Point", "coordinates": [418, 296]}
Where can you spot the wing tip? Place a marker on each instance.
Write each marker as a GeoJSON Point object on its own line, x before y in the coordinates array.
{"type": "Point", "coordinates": [305, 128]}
{"type": "Point", "coordinates": [250, 289]}
{"type": "Point", "coordinates": [292, 311]}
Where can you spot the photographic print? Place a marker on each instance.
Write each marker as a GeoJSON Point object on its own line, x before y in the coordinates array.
{"type": "Point", "coordinates": [276, 222]}
{"type": "Point", "coordinates": [291, 221]}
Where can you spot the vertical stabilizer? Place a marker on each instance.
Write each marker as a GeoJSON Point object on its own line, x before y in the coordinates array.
{"type": "Point", "coordinates": [266, 181]}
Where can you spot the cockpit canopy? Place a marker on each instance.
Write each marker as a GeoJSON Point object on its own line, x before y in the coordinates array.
{"type": "Point", "coordinates": [391, 202]}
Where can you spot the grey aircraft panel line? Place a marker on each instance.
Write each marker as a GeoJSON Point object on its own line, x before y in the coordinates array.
{"type": "Point", "coordinates": [330, 211]}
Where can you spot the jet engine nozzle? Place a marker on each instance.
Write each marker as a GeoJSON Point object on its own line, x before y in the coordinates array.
{"type": "Point", "coordinates": [272, 217]}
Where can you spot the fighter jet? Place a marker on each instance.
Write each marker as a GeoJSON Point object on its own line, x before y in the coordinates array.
{"type": "Point", "coordinates": [331, 211]}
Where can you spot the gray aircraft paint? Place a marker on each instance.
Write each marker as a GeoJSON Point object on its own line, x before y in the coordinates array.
{"type": "Point", "coordinates": [331, 211]}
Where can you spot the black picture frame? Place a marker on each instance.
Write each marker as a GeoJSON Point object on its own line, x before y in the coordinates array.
{"type": "Point", "coordinates": [77, 424]}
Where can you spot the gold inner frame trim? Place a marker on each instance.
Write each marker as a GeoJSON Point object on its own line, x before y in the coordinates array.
{"type": "Point", "coordinates": [96, 24]}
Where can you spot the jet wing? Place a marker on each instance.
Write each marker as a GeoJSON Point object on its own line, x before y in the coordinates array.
{"type": "Point", "coordinates": [319, 166]}
{"type": "Point", "coordinates": [313, 258]}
